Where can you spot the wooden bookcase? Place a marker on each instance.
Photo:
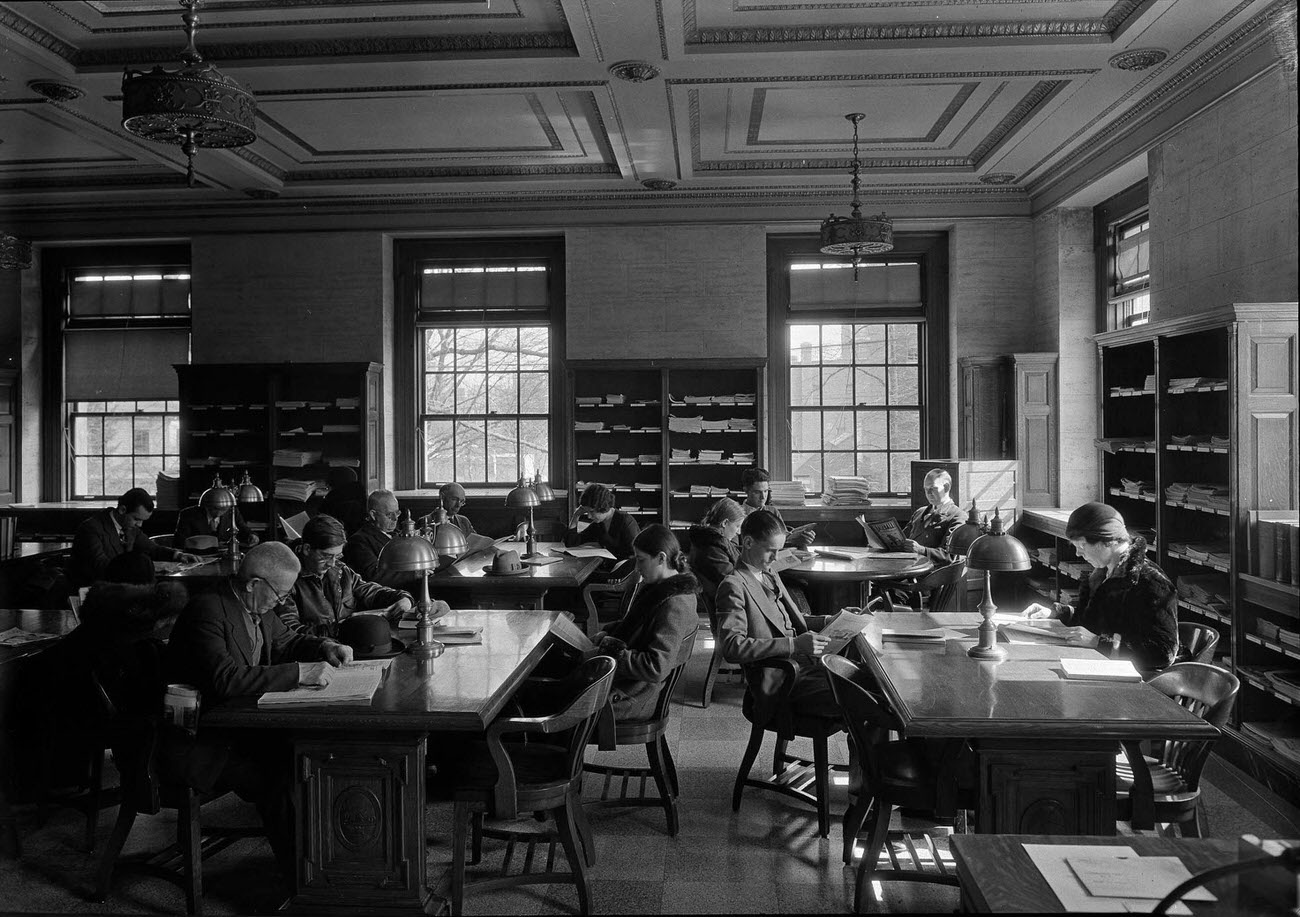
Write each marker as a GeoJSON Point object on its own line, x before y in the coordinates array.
{"type": "Point", "coordinates": [637, 427]}
{"type": "Point", "coordinates": [233, 419]}
{"type": "Point", "coordinates": [1251, 348]}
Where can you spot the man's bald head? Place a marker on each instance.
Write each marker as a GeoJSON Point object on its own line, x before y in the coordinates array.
{"type": "Point", "coordinates": [453, 496]}
{"type": "Point", "coordinates": [272, 562]}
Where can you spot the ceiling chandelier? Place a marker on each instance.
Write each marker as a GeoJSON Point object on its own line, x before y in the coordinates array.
{"type": "Point", "coordinates": [195, 107]}
{"type": "Point", "coordinates": [855, 235]}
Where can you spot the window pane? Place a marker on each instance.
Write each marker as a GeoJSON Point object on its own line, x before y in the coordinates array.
{"type": "Point", "coordinates": [904, 430]}
{"type": "Point", "coordinates": [439, 349]}
{"type": "Point", "coordinates": [471, 349]}
{"type": "Point", "coordinates": [439, 393]}
{"type": "Point", "coordinates": [900, 470]}
{"type": "Point", "coordinates": [503, 451]}
{"type": "Point", "coordinates": [119, 475]}
{"type": "Point", "coordinates": [805, 386]}
{"type": "Point", "coordinates": [874, 466]}
{"type": "Point", "coordinates": [869, 383]}
{"type": "Point", "coordinates": [808, 465]}
{"type": "Point", "coordinates": [154, 406]}
{"type": "Point", "coordinates": [837, 385]}
{"type": "Point", "coordinates": [533, 441]}
{"type": "Point", "coordinates": [904, 385]}
{"type": "Point", "coordinates": [904, 346]}
{"type": "Point", "coordinates": [471, 393]}
{"type": "Point", "coordinates": [146, 472]}
{"type": "Point", "coordinates": [148, 435]}
{"type": "Point", "coordinates": [805, 430]}
{"type": "Point", "coordinates": [503, 393]}
{"type": "Point", "coordinates": [439, 451]}
{"type": "Point", "coordinates": [837, 430]}
{"type": "Point", "coordinates": [805, 344]}
{"type": "Point", "coordinates": [120, 407]}
{"type": "Point", "coordinates": [471, 450]}
{"type": "Point", "coordinates": [837, 343]}
{"type": "Point", "coordinates": [95, 478]}
{"type": "Point", "coordinates": [503, 349]}
{"type": "Point", "coordinates": [117, 438]}
{"type": "Point", "coordinates": [534, 348]}
{"type": "Point", "coordinates": [172, 436]}
{"type": "Point", "coordinates": [869, 344]}
{"type": "Point", "coordinates": [534, 393]}
{"type": "Point", "coordinates": [871, 430]}
{"type": "Point", "coordinates": [839, 464]}
{"type": "Point", "coordinates": [81, 476]}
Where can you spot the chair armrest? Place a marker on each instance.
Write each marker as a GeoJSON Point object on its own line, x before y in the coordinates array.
{"type": "Point", "coordinates": [1142, 800]}
{"type": "Point", "coordinates": [788, 666]}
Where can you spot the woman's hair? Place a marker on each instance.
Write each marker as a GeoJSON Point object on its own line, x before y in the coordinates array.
{"type": "Point", "coordinates": [751, 476]}
{"type": "Point", "coordinates": [323, 532]}
{"type": "Point", "coordinates": [597, 497]}
{"type": "Point", "coordinates": [130, 567]}
{"type": "Point", "coordinates": [1097, 523]}
{"type": "Point", "coordinates": [761, 525]}
{"type": "Point", "coordinates": [725, 510]}
{"type": "Point", "coordinates": [654, 539]}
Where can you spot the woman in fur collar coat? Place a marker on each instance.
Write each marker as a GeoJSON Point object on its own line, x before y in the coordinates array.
{"type": "Point", "coordinates": [1127, 600]}
{"type": "Point", "coordinates": [646, 642]}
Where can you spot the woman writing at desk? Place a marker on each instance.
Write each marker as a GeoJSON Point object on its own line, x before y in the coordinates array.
{"type": "Point", "coordinates": [1127, 599]}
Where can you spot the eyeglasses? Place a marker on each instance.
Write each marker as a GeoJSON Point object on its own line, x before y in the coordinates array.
{"type": "Point", "coordinates": [329, 559]}
{"type": "Point", "coordinates": [393, 515]}
{"type": "Point", "coordinates": [279, 596]}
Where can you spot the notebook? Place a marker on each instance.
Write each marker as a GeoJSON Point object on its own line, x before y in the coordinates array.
{"type": "Point", "coordinates": [1100, 669]}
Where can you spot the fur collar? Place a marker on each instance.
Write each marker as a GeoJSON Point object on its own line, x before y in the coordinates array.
{"type": "Point", "coordinates": [1130, 569]}
{"type": "Point", "coordinates": [678, 584]}
{"type": "Point", "coordinates": [705, 535]}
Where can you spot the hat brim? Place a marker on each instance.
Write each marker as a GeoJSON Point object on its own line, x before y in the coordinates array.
{"type": "Point", "coordinates": [395, 648]}
{"type": "Point", "coordinates": [490, 572]}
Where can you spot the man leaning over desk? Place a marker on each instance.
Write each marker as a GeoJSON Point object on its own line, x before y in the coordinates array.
{"type": "Point", "coordinates": [227, 644]}
{"type": "Point", "coordinates": [116, 531]}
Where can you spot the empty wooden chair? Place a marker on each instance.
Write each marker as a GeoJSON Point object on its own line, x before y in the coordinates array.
{"type": "Point", "coordinates": [942, 589]}
{"type": "Point", "coordinates": [1196, 643]}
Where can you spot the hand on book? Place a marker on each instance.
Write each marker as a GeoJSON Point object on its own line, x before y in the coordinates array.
{"type": "Point", "coordinates": [336, 653]}
{"type": "Point", "coordinates": [315, 674]}
{"type": "Point", "coordinates": [395, 611]}
{"type": "Point", "coordinates": [810, 643]}
{"type": "Point", "coordinates": [1038, 611]}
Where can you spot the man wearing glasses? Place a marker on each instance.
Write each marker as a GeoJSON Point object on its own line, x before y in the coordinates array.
{"type": "Point", "coordinates": [328, 590]}
{"type": "Point", "coordinates": [227, 645]}
{"type": "Point", "coordinates": [361, 552]}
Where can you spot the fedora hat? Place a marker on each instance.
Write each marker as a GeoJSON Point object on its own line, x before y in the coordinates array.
{"type": "Point", "coordinates": [369, 636]}
{"type": "Point", "coordinates": [507, 563]}
{"type": "Point", "coordinates": [201, 543]}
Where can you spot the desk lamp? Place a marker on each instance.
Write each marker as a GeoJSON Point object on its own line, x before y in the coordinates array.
{"type": "Point", "coordinates": [446, 537]}
{"type": "Point", "coordinates": [995, 552]}
{"type": "Point", "coordinates": [220, 497]}
{"type": "Point", "coordinates": [964, 535]}
{"type": "Point", "coordinates": [407, 552]}
{"type": "Point", "coordinates": [542, 489]}
{"type": "Point", "coordinates": [248, 493]}
{"type": "Point", "coordinates": [524, 497]}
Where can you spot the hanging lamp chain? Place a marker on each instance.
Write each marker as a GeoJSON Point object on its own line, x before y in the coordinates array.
{"type": "Point", "coordinates": [191, 53]}
{"type": "Point", "coordinates": [856, 118]}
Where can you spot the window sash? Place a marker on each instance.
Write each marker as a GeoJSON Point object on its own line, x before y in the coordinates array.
{"type": "Point", "coordinates": [106, 471]}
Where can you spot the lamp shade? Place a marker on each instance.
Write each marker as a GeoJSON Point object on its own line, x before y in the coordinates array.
{"type": "Point", "coordinates": [522, 497]}
{"type": "Point", "coordinates": [218, 496]}
{"type": "Point", "coordinates": [543, 490]}
{"type": "Point", "coordinates": [407, 552]}
{"type": "Point", "coordinates": [997, 552]}
{"type": "Point", "coordinates": [248, 491]}
{"type": "Point", "coordinates": [964, 535]}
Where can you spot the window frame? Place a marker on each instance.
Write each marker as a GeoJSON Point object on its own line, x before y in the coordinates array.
{"type": "Point", "coordinates": [1130, 206]}
{"type": "Point", "coordinates": [930, 250]}
{"type": "Point", "coordinates": [57, 264]}
{"type": "Point", "coordinates": [409, 257]}
{"type": "Point", "coordinates": [74, 414]}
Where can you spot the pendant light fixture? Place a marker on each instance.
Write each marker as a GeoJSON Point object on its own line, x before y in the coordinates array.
{"type": "Point", "coordinates": [196, 107]}
{"type": "Point", "coordinates": [856, 235]}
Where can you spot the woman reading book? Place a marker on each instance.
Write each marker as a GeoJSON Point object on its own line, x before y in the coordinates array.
{"type": "Point", "coordinates": [1127, 600]}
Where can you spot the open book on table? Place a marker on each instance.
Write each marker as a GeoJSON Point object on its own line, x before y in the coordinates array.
{"type": "Point", "coordinates": [1045, 630]}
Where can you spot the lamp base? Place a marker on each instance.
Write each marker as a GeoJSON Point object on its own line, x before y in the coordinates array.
{"type": "Point", "coordinates": [990, 653]}
{"type": "Point", "coordinates": [987, 648]}
{"type": "Point", "coordinates": [430, 650]}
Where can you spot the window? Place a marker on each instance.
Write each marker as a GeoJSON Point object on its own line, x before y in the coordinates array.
{"type": "Point", "coordinates": [123, 322]}
{"type": "Point", "coordinates": [1130, 255]}
{"type": "Point", "coordinates": [853, 362]}
{"type": "Point", "coordinates": [484, 328]}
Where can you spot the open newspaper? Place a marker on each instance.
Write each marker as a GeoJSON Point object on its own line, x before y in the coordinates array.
{"type": "Point", "coordinates": [842, 628]}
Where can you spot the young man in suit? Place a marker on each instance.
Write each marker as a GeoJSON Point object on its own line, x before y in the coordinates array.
{"type": "Point", "coordinates": [756, 483]}
{"type": "Point", "coordinates": [759, 620]}
{"type": "Point", "coordinates": [115, 531]}
{"type": "Point", "coordinates": [229, 643]}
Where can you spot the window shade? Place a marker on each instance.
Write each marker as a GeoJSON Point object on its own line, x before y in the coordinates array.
{"type": "Point", "coordinates": [123, 364]}
{"type": "Point", "coordinates": [893, 287]}
{"type": "Point", "coordinates": [483, 289]}
{"type": "Point", "coordinates": [1133, 259]}
{"type": "Point", "coordinates": [120, 295]}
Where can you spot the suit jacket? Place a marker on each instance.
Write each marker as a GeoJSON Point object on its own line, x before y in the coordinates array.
{"type": "Point", "coordinates": [930, 527]}
{"type": "Point", "coordinates": [96, 542]}
{"type": "Point", "coordinates": [462, 522]}
{"type": "Point", "coordinates": [193, 520]}
{"type": "Point", "coordinates": [210, 649]}
{"type": "Point", "coordinates": [753, 629]}
{"type": "Point", "coordinates": [319, 602]}
{"type": "Point", "coordinates": [361, 552]}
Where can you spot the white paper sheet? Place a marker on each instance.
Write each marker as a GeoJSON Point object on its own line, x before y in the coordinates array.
{"type": "Point", "coordinates": [352, 684]}
{"type": "Point", "coordinates": [1134, 877]}
{"type": "Point", "coordinates": [588, 552]}
{"type": "Point", "coordinates": [1051, 860]}
{"type": "Point", "coordinates": [1100, 669]}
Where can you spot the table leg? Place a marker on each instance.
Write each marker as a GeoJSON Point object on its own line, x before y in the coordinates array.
{"type": "Point", "coordinates": [1042, 787]}
{"type": "Point", "coordinates": [359, 831]}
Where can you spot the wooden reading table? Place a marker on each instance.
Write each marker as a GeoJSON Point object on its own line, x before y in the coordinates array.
{"type": "Point", "coordinates": [1046, 745]}
{"type": "Point", "coordinates": [465, 584]}
{"type": "Point", "coordinates": [821, 570]}
{"type": "Point", "coordinates": [358, 770]}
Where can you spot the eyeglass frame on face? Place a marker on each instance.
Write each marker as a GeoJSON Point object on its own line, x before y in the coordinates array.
{"type": "Point", "coordinates": [330, 559]}
{"type": "Point", "coordinates": [279, 597]}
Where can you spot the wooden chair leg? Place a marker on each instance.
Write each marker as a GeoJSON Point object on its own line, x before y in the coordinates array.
{"type": "Point", "coordinates": [116, 841]}
{"type": "Point", "coordinates": [746, 764]}
{"type": "Point", "coordinates": [94, 796]}
{"type": "Point", "coordinates": [854, 816]}
{"type": "Point", "coordinates": [877, 835]}
{"type": "Point", "coordinates": [584, 832]}
{"type": "Point", "coordinates": [476, 838]}
{"type": "Point", "coordinates": [779, 749]}
{"type": "Point", "coordinates": [712, 676]}
{"type": "Point", "coordinates": [658, 771]}
{"type": "Point", "coordinates": [190, 837]}
{"type": "Point", "coordinates": [671, 767]}
{"type": "Point", "coordinates": [566, 825]}
{"type": "Point", "coordinates": [459, 829]}
{"type": "Point", "coordinates": [1194, 826]}
{"type": "Point", "coordinates": [821, 780]}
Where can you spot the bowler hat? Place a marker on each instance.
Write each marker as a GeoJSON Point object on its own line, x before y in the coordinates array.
{"type": "Point", "coordinates": [369, 636]}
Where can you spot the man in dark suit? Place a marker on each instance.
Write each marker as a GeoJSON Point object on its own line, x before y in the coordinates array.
{"type": "Point", "coordinates": [452, 496]}
{"type": "Point", "coordinates": [759, 620]}
{"type": "Point", "coordinates": [209, 519]}
{"type": "Point", "coordinates": [362, 550]}
{"type": "Point", "coordinates": [228, 644]}
{"type": "Point", "coordinates": [115, 531]}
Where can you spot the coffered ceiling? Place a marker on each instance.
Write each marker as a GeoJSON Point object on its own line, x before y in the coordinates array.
{"type": "Point", "coordinates": [989, 106]}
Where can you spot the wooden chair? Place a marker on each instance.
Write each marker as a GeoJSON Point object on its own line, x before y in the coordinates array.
{"type": "Point", "coordinates": [716, 664]}
{"type": "Point", "coordinates": [1196, 643]}
{"type": "Point", "coordinates": [136, 737]}
{"type": "Point", "coordinates": [791, 775]}
{"type": "Point", "coordinates": [942, 589]}
{"type": "Point", "coordinates": [595, 595]}
{"type": "Point", "coordinates": [542, 774]}
{"type": "Point", "coordinates": [895, 773]}
{"type": "Point", "coordinates": [1165, 787]}
{"type": "Point", "coordinates": [650, 733]}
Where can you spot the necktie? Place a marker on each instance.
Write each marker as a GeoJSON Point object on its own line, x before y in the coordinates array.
{"type": "Point", "coordinates": [774, 593]}
{"type": "Point", "coordinates": [256, 636]}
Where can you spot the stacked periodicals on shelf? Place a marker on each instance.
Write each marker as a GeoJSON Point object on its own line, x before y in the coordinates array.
{"type": "Point", "coordinates": [618, 435]}
{"type": "Point", "coordinates": [847, 489]}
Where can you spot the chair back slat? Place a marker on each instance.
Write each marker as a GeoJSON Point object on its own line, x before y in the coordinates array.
{"type": "Point", "coordinates": [665, 698]}
{"type": "Point", "coordinates": [867, 717]}
{"type": "Point", "coordinates": [1207, 691]}
{"type": "Point", "coordinates": [946, 587]}
{"type": "Point", "coordinates": [1196, 643]}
